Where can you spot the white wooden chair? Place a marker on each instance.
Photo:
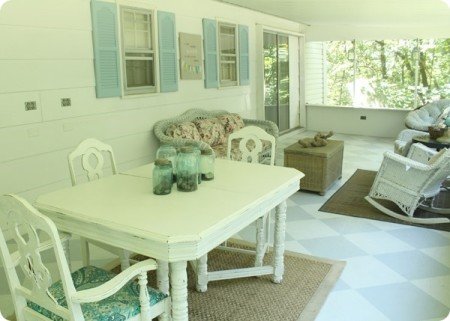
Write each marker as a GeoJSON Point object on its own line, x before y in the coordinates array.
{"type": "Point", "coordinates": [91, 152]}
{"type": "Point", "coordinates": [410, 183]}
{"type": "Point", "coordinates": [87, 294]}
{"type": "Point", "coordinates": [250, 147]}
{"type": "Point", "coordinates": [248, 137]}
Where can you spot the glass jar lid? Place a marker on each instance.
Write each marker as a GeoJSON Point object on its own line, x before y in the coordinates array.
{"type": "Point", "coordinates": [162, 162]}
{"type": "Point", "coordinates": [206, 152]}
{"type": "Point", "coordinates": [186, 149]}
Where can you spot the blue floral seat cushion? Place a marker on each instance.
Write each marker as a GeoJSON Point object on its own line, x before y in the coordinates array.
{"type": "Point", "coordinates": [123, 305]}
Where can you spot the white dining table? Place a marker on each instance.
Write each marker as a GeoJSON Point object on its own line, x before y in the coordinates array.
{"type": "Point", "coordinates": [121, 210]}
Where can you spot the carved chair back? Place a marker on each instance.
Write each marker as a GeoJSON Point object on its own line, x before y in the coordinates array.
{"type": "Point", "coordinates": [24, 234]}
{"type": "Point", "coordinates": [91, 151]}
{"type": "Point", "coordinates": [247, 135]}
{"type": "Point", "coordinates": [92, 160]}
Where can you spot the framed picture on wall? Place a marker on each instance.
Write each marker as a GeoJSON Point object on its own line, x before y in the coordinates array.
{"type": "Point", "coordinates": [191, 66]}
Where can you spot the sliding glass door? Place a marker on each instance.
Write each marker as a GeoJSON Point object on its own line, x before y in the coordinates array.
{"type": "Point", "coordinates": [276, 79]}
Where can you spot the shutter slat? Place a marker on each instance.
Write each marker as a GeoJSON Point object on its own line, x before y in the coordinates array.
{"type": "Point", "coordinates": [168, 64]}
{"type": "Point", "coordinates": [210, 52]}
{"type": "Point", "coordinates": [244, 61]}
{"type": "Point", "coordinates": [106, 49]}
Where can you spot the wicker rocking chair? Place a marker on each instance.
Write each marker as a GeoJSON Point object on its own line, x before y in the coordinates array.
{"type": "Point", "coordinates": [409, 184]}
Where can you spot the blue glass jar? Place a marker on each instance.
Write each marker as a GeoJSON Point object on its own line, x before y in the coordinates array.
{"type": "Point", "coordinates": [162, 177]}
{"type": "Point", "coordinates": [187, 170]}
{"type": "Point", "coordinates": [168, 152]}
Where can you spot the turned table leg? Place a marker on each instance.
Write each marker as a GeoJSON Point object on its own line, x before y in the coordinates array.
{"type": "Point", "coordinates": [202, 273]}
{"type": "Point", "coordinates": [162, 279]}
{"type": "Point", "coordinates": [178, 282]}
{"type": "Point", "coordinates": [280, 229]}
{"type": "Point", "coordinates": [162, 276]}
{"type": "Point", "coordinates": [260, 242]}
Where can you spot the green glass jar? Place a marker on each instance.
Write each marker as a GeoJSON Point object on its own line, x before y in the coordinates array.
{"type": "Point", "coordinates": [187, 170]}
{"type": "Point", "coordinates": [162, 177]}
{"type": "Point", "coordinates": [197, 153]}
{"type": "Point", "coordinates": [207, 165]}
{"type": "Point", "coordinates": [168, 152]}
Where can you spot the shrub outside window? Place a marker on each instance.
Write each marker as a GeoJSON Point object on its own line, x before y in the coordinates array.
{"type": "Point", "coordinates": [387, 73]}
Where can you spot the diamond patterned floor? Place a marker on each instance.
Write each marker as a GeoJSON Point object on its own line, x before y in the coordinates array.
{"type": "Point", "coordinates": [393, 272]}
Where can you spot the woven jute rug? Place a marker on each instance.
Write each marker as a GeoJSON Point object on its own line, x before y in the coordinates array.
{"type": "Point", "coordinates": [349, 200]}
{"type": "Point", "coordinates": [306, 284]}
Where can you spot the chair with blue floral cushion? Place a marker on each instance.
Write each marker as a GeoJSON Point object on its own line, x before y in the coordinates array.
{"type": "Point", "coordinates": [87, 294]}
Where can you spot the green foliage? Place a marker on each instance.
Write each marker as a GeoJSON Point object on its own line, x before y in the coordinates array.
{"type": "Point", "coordinates": [383, 73]}
{"type": "Point", "coordinates": [276, 70]}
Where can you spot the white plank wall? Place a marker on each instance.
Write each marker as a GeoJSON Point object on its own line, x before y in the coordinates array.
{"type": "Point", "coordinates": [315, 73]}
{"type": "Point", "coordinates": [46, 54]}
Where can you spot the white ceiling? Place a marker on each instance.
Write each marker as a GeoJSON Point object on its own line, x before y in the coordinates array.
{"type": "Point", "coordinates": [427, 17]}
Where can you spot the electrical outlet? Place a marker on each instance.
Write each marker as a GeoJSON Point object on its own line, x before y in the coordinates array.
{"type": "Point", "coordinates": [30, 105]}
{"type": "Point", "coordinates": [363, 117]}
{"type": "Point", "coordinates": [66, 102]}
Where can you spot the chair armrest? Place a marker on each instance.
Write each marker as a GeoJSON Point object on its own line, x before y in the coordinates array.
{"type": "Point", "coordinates": [407, 162]}
{"type": "Point", "coordinates": [421, 153]}
{"type": "Point", "coordinates": [403, 172]}
{"type": "Point", "coordinates": [115, 284]}
{"type": "Point", "coordinates": [409, 134]}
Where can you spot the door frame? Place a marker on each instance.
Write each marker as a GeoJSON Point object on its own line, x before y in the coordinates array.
{"type": "Point", "coordinates": [260, 108]}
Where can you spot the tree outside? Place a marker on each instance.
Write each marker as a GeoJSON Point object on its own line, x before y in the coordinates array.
{"type": "Point", "coordinates": [388, 73]}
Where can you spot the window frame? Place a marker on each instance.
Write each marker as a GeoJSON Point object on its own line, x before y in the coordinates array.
{"type": "Point", "coordinates": [153, 52]}
{"type": "Point", "coordinates": [222, 82]}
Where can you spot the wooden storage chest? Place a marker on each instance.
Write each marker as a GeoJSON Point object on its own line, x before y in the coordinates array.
{"type": "Point", "coordinates": [321, 165]}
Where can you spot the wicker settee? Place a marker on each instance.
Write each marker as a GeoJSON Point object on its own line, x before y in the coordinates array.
{"type": "Point", "coordinates": [206, 129]}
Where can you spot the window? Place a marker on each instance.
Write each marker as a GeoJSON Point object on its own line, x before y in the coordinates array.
{"type": "Point", "coordinates": [138, 52]}
{"type": "Point", "coordinates": [131, 66]}
{"type": "Point", "coordinates": [227, 55]}
{"type": "Point", "coordinates": [385, 73]}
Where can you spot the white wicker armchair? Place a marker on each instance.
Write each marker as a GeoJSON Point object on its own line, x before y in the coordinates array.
{"type": "Point", "coordinates": [409, 183]}
{"type": "Point", "coordinates": [404, 140]}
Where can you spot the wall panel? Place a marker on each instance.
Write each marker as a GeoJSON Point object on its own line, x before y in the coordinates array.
{"type": "Point", "coordinates": [346, 120]}
{"type": "Point", "coordinates": [47, 55]}
{"type": "Point", "coordinates": [44, 43]}
{"type": "Point", "coordinates": [37, 75]}
{"type": "Point", "coordinates": [12, 109]}
{"type": "Point", "coordinates": [58, 14]}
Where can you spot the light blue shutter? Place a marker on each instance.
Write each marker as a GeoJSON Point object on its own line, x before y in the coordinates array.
{"type": "Point", "coordinates": [106, 49]}
{"type": "Point", "coordinates": [168, 64]}
{"type": "Point", "coordinates": [210, 50]}
{"type": "Point", "coordinates": [244, 61]}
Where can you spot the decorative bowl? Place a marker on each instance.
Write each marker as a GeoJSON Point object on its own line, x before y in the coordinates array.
{"type": "Point", "coordinates": [436, 132]}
